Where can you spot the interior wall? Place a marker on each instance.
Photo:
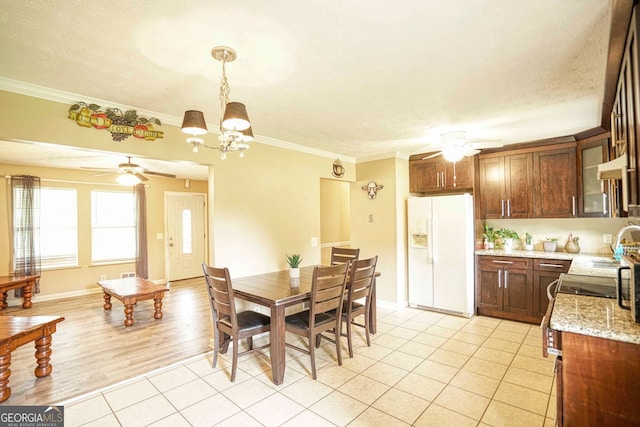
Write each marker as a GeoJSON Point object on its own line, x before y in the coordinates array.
{"type": "Point", "coordinates": [335, 216]}
{"type": "Point", "coordinates": [378, 225]}
{"type": "Point", "coordinates": [264, 205]}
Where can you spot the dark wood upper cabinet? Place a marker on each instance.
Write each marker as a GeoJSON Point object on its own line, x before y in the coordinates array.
{"type": "Point", "coordinates": [437, 175]}
{"type": "Point", "coordinates": [554, 193]}
{"type": "Point", "coordinates": [505, 186]}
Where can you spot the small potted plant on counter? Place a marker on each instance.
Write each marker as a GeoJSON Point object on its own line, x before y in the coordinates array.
{"type": "Point", "coordinates": [489, 237]}
{"type": "Point", "coordinates": [528, 245]}
{"type": "Point", "coordinates": [551, 244]}
{"type": "Point", "coordinates": [508, 237]}
{"type": "Point", "coordinates": [294, 261]}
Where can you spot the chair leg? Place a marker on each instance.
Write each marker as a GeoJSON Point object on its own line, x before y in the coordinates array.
{"type": "Point", "coordinates": [337, 334]}
{"type": "Point", "coordinates": [312, 355]}
{"type": "Point", "coordinates": [250, 343]}
{"type": "Point", "coordinates": [216, 345]}
{"type": "Point", "coordinates": [349, 336]}
{"type": "Point", "coordinates": [367, 313]}
{"type": "Point", "coordinates": [234, 363]}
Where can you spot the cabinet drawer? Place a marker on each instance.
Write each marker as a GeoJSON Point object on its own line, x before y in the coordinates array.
{"type": "Point", "coordinates": [504, 262]}
{"type": "Point", "coordinates": [558, 265]}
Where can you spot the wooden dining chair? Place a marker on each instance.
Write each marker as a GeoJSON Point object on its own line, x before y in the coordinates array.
{"type": "Point", "coordinates": [327, 296]}
{"type": "Point", "coordinates": [226, 321]}
{"type": "Point", "coordinates": [358, 300]}
{"type": "Point", "coordinates": [342, 255]}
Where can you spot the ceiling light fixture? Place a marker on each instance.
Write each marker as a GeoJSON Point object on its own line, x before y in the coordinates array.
{"type": "Point", "coordinates": [235, 127]}
{"type": "Point", "coordinates": [128, 178]}
{"type": "Point", "coordinates": [453, 153]}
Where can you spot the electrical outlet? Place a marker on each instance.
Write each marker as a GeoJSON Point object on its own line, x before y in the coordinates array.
{"type": "Point", "coordinates": [606, 238]}
{"type": "Point", "coordinates": [103, 277]}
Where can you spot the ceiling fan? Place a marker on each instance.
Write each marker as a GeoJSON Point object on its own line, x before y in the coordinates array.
{"type": "Point", "coordinates": [133, 169]}
{"type": "Point", "coordinates": [454, 146]}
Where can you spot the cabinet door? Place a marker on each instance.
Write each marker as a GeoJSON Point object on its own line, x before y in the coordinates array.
{"type": "Point", "coordinates": [518, 189]}
{"type": "Point", "coordinates": [424, 176]}
{"type": "Point", "coordinates": [488, 294]}
{"type": "Point", "coordinates": [517, 286]}
{"type": "Point", "coordinates": [492, 187]}
{"type": "Point", "coordinates": [554, 175]}
{"type": "Point", "coordinates": [545, 271]}
{"type": "Point", "coordinates": [593, 194]}
{"type": "Point", "coordinates": [459, 175]}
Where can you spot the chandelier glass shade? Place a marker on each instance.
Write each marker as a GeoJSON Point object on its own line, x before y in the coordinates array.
{"type": "Point", "coordinates": [235, 127]}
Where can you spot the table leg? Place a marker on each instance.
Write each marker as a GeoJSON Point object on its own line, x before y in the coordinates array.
{"type": "Point", "coordinates": [5, 372]}
{"type": "Point", "coordinates": [157, 304]}
{"type": "Point", "coordinates": [128, 314]}
{"type": "Point", "coordinates": [277, 344]}
{"type": "Point", "coordinates": [107, 301]}
{"type": "Point", "coordinates": [26, 296]}
{"type": "Point", "coordinates": [4, 300]}
{"type": "Point", "coordinates": [43, 353]}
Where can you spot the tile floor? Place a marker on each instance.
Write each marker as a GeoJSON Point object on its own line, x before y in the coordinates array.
{"type": "Point", "coordinates": [422, 369]}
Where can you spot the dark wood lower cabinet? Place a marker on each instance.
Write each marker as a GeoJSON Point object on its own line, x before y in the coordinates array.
{"type": "Point", "coordinates": [515, 288]}
{"type": "Point", "coordinates": [598, 383]}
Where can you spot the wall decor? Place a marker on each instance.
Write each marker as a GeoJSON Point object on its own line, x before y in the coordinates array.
{"type": "Point", "coordinates": [121, 125]}
{"type": "Point", "coordinates": [338, 169]}
{"type": "Point", "coordinates": [372, 189]}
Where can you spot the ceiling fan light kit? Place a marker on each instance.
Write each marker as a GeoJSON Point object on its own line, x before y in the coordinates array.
{"type": "Point", "coordinates": [235, 127]}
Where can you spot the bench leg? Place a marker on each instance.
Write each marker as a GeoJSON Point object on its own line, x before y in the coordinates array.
{"type": "Point", "coordinates": [157, 304]}
{"type": "Point", "coordinates": [5, 372]}
{"type": "Point", "coordinates": [107, 301]}
{"type": "Point", "coordinates": [128, 314]}
{"type": "Point", "coordinates": [43, 353]}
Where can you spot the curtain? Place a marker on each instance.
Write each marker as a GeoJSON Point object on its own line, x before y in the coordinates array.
{"type": "Point", "coordinates": [142, 262]}
{"type": "Point", "coordinates": [25, 202]}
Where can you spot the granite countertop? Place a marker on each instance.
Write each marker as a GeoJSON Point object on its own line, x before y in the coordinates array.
{"type": "Point", "coordinates": [596, 317]}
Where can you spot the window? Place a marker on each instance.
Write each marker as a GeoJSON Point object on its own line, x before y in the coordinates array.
{"type": "Point", "coordinates": [58, 227]}
{"type": "Point", "coordinates": [113, 226]}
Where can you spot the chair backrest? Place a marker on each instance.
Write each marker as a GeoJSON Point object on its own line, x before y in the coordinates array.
{"type": "Point", "coordinates": [220, 292]}
{"type": "Point", "coordinates": [361, 279]}
{"type": "Point", "coordinates": [327, 290]}
{"type": "Point", "coordinates": [343, 255]}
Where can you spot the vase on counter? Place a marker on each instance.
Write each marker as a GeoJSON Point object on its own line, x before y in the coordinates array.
{"type": "Point", "coordinates": [572, 246]}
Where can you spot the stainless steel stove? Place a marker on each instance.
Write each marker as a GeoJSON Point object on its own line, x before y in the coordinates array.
{"type": "Point", "coordinates": [593, 286]}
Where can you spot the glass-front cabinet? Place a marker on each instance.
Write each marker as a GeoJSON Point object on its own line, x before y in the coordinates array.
{"type": "Point", "coordinates": [594, 200]}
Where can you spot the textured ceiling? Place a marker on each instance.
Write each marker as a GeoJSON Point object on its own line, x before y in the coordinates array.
{"type": "Point", "coordinates": [356, 78]}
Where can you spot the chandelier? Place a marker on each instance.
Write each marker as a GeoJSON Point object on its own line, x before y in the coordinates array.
{"type": "Point", "coordinates": [235, 128]}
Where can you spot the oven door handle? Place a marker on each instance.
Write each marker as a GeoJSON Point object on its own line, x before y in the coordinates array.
{"type": "Point", "coordinates": [552, 284]}
{"type": "Point", "coordinates": [626, 307]}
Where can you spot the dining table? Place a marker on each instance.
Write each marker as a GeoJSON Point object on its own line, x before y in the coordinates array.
{"type": "Point", "coordinates": [277, 291]}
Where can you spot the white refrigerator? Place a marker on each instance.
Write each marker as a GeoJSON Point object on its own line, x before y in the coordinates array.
{"type": "Point", "coordinates": [441, 253]}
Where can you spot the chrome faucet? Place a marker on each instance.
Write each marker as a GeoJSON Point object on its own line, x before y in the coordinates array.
{"type": "Point", "coordinates": [621, 232]}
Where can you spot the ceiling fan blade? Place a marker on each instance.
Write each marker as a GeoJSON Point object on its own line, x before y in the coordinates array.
{"type": "Point", "coordinates": [166, 175]}
{"type": "Point", "coordinates": [432, 155]}
{"type": "Point", "coordinates": [141, 177]}
{"type": "Point", "coordinates": [104, 173]}
{"type": "Point", "coordinates": [470, 151]}
{"type": "Point", "coordinates": [96, 169]}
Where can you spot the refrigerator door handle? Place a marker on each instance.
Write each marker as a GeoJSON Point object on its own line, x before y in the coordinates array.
{"type": "Point", "coordinates": [433, 239]}
{"type": "Point", "coordinates": [430, 240]}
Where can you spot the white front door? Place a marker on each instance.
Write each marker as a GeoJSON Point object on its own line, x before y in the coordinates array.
{"type": "Point", "coordinates": [185, 237]}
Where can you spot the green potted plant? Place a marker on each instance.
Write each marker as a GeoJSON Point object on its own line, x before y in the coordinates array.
{"type": "Point", "coordinates": [294, 261]}
{"type": "Point", "coordinates": [528, 245]}
{"type": "Point", "coordinates": [489, 237]}
{"type": "Point", "coordinates": [507, 237]}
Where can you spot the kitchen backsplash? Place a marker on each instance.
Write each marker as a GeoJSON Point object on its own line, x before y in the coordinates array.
{"type": "Point", "coordinates": [589, 230]}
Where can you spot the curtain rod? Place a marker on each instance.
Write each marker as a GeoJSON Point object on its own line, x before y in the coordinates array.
{"type": "Point", "coordinates": [79, 182]}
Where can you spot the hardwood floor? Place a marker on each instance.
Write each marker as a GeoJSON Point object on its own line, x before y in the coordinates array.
{"type": "Point", "coordinates": [92, 348]}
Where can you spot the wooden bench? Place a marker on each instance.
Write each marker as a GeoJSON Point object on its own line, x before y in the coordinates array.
{"type": "Point", "coordinates": [27, 283]}
{"type": "Point", "coordinates": [16, 331]}
{"type": "Point", "coordinates": [130, 290]}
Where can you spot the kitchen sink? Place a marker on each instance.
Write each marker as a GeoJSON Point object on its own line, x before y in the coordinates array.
{"type": "Point", "coordinates": [605, 264]}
